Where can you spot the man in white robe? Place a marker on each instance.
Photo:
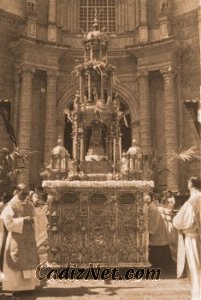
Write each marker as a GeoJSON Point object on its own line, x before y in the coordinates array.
{"type": "Point", "coordinates": [187, 221]}
{"type": "Point", "coordinates": [20, 257]}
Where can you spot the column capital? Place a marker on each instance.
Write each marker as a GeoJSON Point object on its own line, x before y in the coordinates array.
{"type": "Point", "coordinates": [142, 73]}
{"type": "Point", "coordinates": [168, 72]}
{"type": "Point", "coordinates": [27, 69]}
{"type": "Point", "coordinates": [51, 74]}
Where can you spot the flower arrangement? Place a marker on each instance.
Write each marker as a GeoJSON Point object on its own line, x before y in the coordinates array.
{"type": "Point", "coordinates": [138, 184]}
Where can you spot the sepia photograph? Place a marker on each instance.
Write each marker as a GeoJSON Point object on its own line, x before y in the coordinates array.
{"type": "Point", "coordinates": [100, 153]}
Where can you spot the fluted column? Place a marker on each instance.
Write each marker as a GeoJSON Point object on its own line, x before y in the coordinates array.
{"type": "Point", "coordinates": [145, 134]}
{"type": "Point", "coordinates": [126, 16]}
{"type": "Point", "coordinates": [16, 102]}
{"type": "Point", "coordinates": [199, 29]}
{"type": "Point", "coordinates": [118, 16]}
{"type": "Point", "coordinates": [50, 117]}
{"type": "Point", "coordinates": [137, 13]}
{"type": "Point", "coordinates": [143, 12]}
{"type": "Point", "coordinates": [24, 138]}
{"type": "Point", "coordinates": [52, 20]}
{"type": "Point", "coordinates": [52, 11]}
{"type": "Point", "coordinates": [143, 30]}
{"type": "Point", "coordinates": [170, 127]}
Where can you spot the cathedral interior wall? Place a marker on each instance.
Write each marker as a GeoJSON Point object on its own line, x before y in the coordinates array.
{"type": "Point", "coordinates": [9, 28]}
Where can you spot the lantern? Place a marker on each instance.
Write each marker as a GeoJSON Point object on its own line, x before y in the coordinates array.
{"type": "Point", "coordinates": [60, 158]}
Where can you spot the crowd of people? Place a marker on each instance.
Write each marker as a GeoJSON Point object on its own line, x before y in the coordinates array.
{"type": "Point", "coordinates": [19, 256]}
{"type": "Point", "coordinates": [165, 199]}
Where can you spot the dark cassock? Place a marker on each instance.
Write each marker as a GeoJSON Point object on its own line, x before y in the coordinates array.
{"type": "Point", "coordinates": [19, 254]}
{"type": "Point", "coordinates": [159, 254]}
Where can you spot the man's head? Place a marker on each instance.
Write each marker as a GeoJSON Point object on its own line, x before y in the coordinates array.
{"type": "Point", "coordinates": [169, 194]}
{"type": "Point", "coordinates": [194, 182]}
{"type": "Point", "coordinates": [19, 188]}
{"type": "Point", "coordinates": [148, 197]}
{"type": "Point", "coordinates": [22, 191]}
{"type": "Point", "coordinates": [38, 189]}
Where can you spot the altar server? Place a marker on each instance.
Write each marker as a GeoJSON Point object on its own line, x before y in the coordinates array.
{"type": "Point", "coordinates": [159, 250]}
{"type": "Point", "coordinates": [187, 221]}
{"type": "Point", "coordinates": [20, 257]}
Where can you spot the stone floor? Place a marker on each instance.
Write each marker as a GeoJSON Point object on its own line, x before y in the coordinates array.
{"type": "Point", "coordinates": [163, 289]}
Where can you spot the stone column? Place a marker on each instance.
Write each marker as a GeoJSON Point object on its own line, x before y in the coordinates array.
{"type": "Point", "coordinates": [118, 16]}
{"type": "Point", "coordinates": [165, 20]}
{"type": "Point", "coordinates": [24, 138]}
{"type": "Point", "coordinates": [137, 13]}
{"type": "Point", "coordinates": [31, 25]}
{"type": "Point", "coordinates": [15, 107]}
{"type": "Point", "coordinates": [52, 26]}
{"type": "Point", "coordinates": [143, 30]}
{"type": "Point", "coordinates": [126, 16]}
{"type": "Point", "coordinates": [145, 134]}
{"type": "Point", "coordinates": [51, 115]}
{"type": "Point", "coordinates": [199, 29]}
{"type": "Point", "coordinates": [170, 127]}
{"type": "Point", "coordinates": [143, 12]}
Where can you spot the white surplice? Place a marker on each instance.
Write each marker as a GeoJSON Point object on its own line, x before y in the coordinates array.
{"type": "Point", "coordinates": [187, 221]}
{"type": "Point", "coordinates": [15, 280]}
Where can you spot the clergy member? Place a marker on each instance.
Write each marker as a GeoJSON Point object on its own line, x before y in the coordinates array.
{"type": "Point", "coordinates": [20, 255]}
{"type": "Point", "coordinates": [187, 221]}
{"type": "Point", "coordinates": [159, 250]}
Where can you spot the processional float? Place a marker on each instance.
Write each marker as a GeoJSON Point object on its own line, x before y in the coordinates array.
{"type": "Point", "coordinates": [97, 213]}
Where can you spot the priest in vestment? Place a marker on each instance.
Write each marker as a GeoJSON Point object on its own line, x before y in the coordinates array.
{"type": "Point", "coordinates": [20, 257]}
{"type": "Point", "coordinates": [187, 221]}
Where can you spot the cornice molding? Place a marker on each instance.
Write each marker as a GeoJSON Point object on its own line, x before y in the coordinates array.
{"type": "Point", "coordinates": [154, 48]}
{"type": "Point", "coordinates": [11, 17]}
{"type": "Point", "coordinates": [41, 56]}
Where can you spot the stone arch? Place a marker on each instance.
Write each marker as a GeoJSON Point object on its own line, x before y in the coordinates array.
{"type": "Point", "coordinates": [65, 99]}
{"type": "Point", "coordinates": [131, 100]}
{"type": "Point", "coordinates": [126, 93]}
